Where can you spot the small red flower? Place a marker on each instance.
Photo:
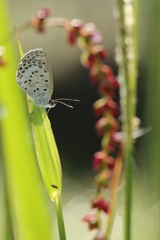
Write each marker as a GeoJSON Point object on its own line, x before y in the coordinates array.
{"type": "Point", "coordinates": [110, 162]}
{"type": "Point", "coordinates": [104, 89]}
{"type": "Point", "coordinates": [102, 126]}
{"type": "Point", "coordinates": [101, 180]}
{"type": "Point", "coordinates": [98, 160]}
{"type": "Point", "coordinates": [106, 70]}
{"type": "Point", "coordinates": [38, 21]}
{"type": "Point", "coordinates": [71, 37]}
{"type": "Point", "coordinates": [73, 30]}
{"type": "Point", "coordinates": [106, 104]}
{"type": "Point", "coordinates": [113, 81]}
{"type": "Point", "coordinates": [96, 37]}
{"type": "Point", "coordinates": [88, 30]}
{"type": "Point", "coordinates": [91, 60]}
{"type": "Point", "coordinates": [77, 23]}
{"type": "Point", "coordinates": [91, 220]}
{"type": "Point", "coordinates": [94, 74]}
{"type": "Point", "coordinates": [101, 204]}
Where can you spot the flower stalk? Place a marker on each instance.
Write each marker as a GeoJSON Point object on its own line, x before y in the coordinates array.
{"type": "Point", "coordinates": [126, 55]}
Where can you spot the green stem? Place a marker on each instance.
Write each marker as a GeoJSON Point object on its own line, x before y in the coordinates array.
{"type": "Point", "coordinates": [128, 190]}
{"type": "Point", "coordinates": [58, 207]}
{"type": "Point", "coordinates": [128, 74]}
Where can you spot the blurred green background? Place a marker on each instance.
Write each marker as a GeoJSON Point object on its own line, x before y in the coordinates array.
{"type": "Point", "coordinates": [74, 129]}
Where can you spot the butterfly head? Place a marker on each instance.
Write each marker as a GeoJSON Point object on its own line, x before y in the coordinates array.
{"type": "Point", "coordinates": [52, 103]}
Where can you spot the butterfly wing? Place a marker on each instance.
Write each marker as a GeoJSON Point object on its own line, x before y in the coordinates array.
{"type": "Point", "coordinates": [34, 76]}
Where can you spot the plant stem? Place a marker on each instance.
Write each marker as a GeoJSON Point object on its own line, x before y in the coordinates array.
{"type": "Point", "coordinates": [58, 207]}
{"type": "Point", "coordinates": [127, 61]}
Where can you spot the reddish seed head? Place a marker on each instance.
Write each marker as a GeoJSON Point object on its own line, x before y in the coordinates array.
{"type": "Point", "coordinates": [103, 54]}
{"type": "Point", "coordinates": [104, 89]}
{"type": "Point", "coordinates": [88, 30]}
{"type": "Point", "coordinates": [106, 104]}
{"type": "Point", "coordinates": [110, 162]}
{"type": "Point", "coordinates": [38, 21]}
{"type": "Point", "coordinates": [77, 24]}
{"type": "Point", "coordinates": [96, 38]}
{"type": "Point", "coordinates": [101, 180]}
{"type": "Point", "coordinates": [113, 81]}
{"type": "Point", "coordinates": [71, 38]}
{"type": "Point", "coordinates": [102, 125]}
{"type": "Point", "coordinates": [94, 75]}
{"type": "Point", "coordinates": [98, 160]}
{"type": "Point", "coordinates": [91, 220]}
{"type": "Point", "coordinates": [112, 143]}
{"type": "Point", "coordinates": [106, 70]}
{"type": "Point", "coordinates": [101, 204]}
{"type": "Point", "coordinates": [91, 60]}
{"type": "Point", "coordinates": [43, 13]}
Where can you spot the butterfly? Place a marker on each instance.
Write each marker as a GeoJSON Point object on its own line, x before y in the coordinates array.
{"type": "Point", "coordinates": [34, 77]}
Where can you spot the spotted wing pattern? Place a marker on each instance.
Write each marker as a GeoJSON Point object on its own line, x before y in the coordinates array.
{"type": "Point", "coordinates": [34, 76]}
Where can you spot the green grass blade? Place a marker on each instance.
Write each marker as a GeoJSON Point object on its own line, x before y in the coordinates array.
{"type": "Point", "coordinates": [45, 145]}
{"type": "Point", "coordinates": [47, 155]}
{"type": "Point", "coordinates": [46, 150]}
{"type": "Point", "coordinates": [28, 207]}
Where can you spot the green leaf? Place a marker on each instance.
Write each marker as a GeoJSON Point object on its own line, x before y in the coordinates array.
{"type": "Point", "coordinates": [28, 205]}
{"type": "Point", "coordinates": [46, 150]}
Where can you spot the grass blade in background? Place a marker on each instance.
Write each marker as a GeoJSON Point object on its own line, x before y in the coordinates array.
{"type": "Point", "coordinates": [47, 155]}
{"type": "Point", "coordinates": [28, 203]}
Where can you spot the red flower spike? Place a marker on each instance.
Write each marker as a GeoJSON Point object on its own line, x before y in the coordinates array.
{"type": "Point", "coordinates": [87, 59]}
{"type": "Point", "coordinates": [102, 105]}
{"type": "Point", "coordinates": [71, 38]}
{"type": "Point", "coordinates": [113, 81]}
{"type": "Point", "coordinates": [98, 160]}
{"type": "Point", "coordinates": [98, 50]}
{"type": "Point", "coordinates": [91, 220]}
{"type": "Point", "coordinates": [98, 106]}
{"type": "Point", "coordinates": [94, 75]}
{"type": "Point", "coordinates": [106, 70]}
{"type": "Point", "coordinates": [96, 38]}
{"type": "Point", "coordinates": [102, 178]}
{"type": "Point", "coordinates": [110, 162]}
{"type": "Point", "coordinates": [111, 105]}
{"type": "Point", "coordinates": [43, 13]}
{"type": "Point", "coordinates": [88, 30]}
{"type": "Point", "coordinates": [106, 124]}
{"type": "Point", "coordinates": [112, 143]}
{"type": "Point", "coordinates": [38, 22]}
{"type": "Point", "coordinates": [77, 24]}
{"type": "Point", "coordinates": [73, 29]}
{"type": "Point", "coordinates": [91, 60]}
{"type": "Point", "coordinates": [104, 89]}
{"type": "Point", "coordinates": [103, 54]}
{"type": "Point", "coordinates": [102, 125]}
{"type": "Point", "coordinates": [101, 204]}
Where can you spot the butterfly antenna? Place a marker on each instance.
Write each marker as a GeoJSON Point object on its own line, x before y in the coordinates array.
{"type": "Point", "coordinates": [66, 99]}
{"type": "Point", "coordinates": [57, 101]}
